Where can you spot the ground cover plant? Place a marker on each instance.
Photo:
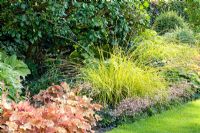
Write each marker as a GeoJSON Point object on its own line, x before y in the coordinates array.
{"type": "Point", "coordinates": [59, 110]}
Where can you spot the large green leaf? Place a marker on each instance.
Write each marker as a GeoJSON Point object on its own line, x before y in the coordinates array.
{"type": "Point", "coordinates": [17, 65]}
{"type": "Point", "coordinates": [11, 72]}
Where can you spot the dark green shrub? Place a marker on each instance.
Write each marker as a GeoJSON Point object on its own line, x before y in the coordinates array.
{"type": "Point", "coordinates": [57, 70]}
{"type": "Point", "coordinates": [36, 27]}
{"type": "Point", "coordinates": [178, 6]}
{"type": "Point", "coordinates": [109, 120]}
{"type": "Point", "coordinates": [161, 6]}
{"type": "Point", "coordinates": [65, 27]}
{"type": "Point", "coordinates": [52, 76]}
{"type": "Point", "coordinates": [188, 9]}
{"type": "Point", "coordinates": [32, 25]}
{"type": "Point", "coordinates": [32, 28]}
{"type": "Point", "coordinates": [68, 28]}
{"type": "Point", "coordinates": [168, 21]}
{"type": "Point", "coordinates": [193, 11]}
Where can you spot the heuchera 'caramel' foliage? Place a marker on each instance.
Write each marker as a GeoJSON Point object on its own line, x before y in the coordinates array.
{"type": "Point", "coordinates": [61, 111]}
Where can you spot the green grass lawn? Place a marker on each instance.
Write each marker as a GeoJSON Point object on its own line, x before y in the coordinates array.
{"type": "Point", "coordinates": [183, 119]}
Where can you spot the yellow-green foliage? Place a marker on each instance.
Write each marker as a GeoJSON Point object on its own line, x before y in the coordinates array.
{"type": "Point", "coordinates": [118, 78]}
{"type": "Point", "coordinates": [146, 35]}
{"type": "Point", "coordinates": [157, 52]}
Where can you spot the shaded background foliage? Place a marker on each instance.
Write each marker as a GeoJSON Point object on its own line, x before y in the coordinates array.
{"type": "Point", "coordinates": [188, 9]}
{"type": "Point", "coordinates": [193, 9]}
{"type": "Point", "coordinates": [67, 27]}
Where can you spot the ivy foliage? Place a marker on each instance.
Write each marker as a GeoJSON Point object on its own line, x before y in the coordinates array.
{"type": "Point", "coordinates": [74, 27]}
{"type": "Point", "coordinates": [31, 25]}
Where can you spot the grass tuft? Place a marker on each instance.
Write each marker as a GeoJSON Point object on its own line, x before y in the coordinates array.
{"type": "Point", "coordinates": [118, 77]}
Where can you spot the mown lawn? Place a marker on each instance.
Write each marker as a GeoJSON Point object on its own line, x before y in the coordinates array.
{"type": "Point", "coordinates": [183, 119]}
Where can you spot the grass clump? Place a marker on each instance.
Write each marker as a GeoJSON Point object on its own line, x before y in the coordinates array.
{"type": "Point", "coordinates": [168, 21]}
{"type": "Point", "coordinates": [118, 77]}
{"type": "Point", "coordinates": [157, 52]}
